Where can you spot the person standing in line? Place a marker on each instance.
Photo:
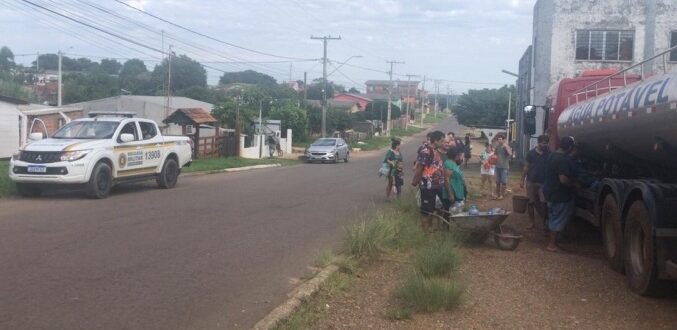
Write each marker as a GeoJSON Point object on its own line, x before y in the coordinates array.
{"type": "Point", "coordinates": [487, 168]}
{"type": "Point", "coordinates": [393, 158]}
{"type": "Point", "coordinates": [271, 145]}
{"type": "Point", "coordinates": [454, 191]}
{"type": "Point", "coordinates": [503, 153]}
{"type": "Point", "coordinates": [533, 175]}
{"type": "Point", "coordinates": [429, 177]}
{"type": "Point", "coordinates": [558, 189]}
{"type": "Point", "coordinates": [467, 154]}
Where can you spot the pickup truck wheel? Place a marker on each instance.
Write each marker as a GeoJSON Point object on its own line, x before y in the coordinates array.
{"type": "Point", "coordinates": [100, 182]}
{"type": "Point", "coordinates": [28, 190]}
{"type": "Point", "coordinates": [612, 233]}
{"type": "Point", "coordinates": [640, 252]}
{"type": "Point", "coordinates": [169, 175]}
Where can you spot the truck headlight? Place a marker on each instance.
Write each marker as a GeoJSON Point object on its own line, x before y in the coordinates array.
{"type": "Point", "coordinates": [16, 155]}
{"type": "Point", "coordinates": [72, 156]}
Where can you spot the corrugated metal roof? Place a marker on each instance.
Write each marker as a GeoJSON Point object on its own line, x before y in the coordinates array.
{"type": "Point", "coordinates": [197, 115]}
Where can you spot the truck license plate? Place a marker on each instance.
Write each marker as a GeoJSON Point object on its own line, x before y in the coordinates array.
{"type": "Point", "coordinates": [37, 169]}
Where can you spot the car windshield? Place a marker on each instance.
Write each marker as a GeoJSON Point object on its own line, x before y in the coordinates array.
{"type": "Point", "coordinates": [87, 130]}
{"type": "Point", "coordinates": [324, 143]}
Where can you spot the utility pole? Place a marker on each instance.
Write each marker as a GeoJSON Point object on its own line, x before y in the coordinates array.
{"type": "Point", "coordinates": [409, 76]}
{"type": "Point", "coordinates": [437, 91]}
{"type": "Point", "coordinates": [507, 122]}
{"type": "Point", "coordinates": [305, 98]}
{"type": "Point", "coordinates": [168, 103]}
{"type": "Point", "coordinates": [260, 129]}
{"type": "Point", "coordinates": [60, 92]}
{"type": "Point", "coordinates": [37, 64]}
{"type": "Point", "coordinates": [423, 100]}
{"type": "Point", "coordinates": [390, 96]}
{"type": "Point", "coordinates": [324, 80]}
{"type": "Point", "coordinates": [237, 123]}
{"type": "Point", "coordinates": [291, 65]}
{"type": "Point", "coordinates": [448, 98]}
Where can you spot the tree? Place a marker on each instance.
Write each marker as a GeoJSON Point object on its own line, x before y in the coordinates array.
{"type": "Point", "coordinates": [488, 107]}
{"type": "Point", "coordinates": [292, 117]}
{"type": "Point", "coordinates": [186, 72]}
{"type": "Point", "coordinates": [247, 77]}
{"type": "Point", "coordinates": [97, 84]}
{"type": "Point", "coordinates": [353, 90]}
{"type": "Point", "coordinates": [110, 66]}
{"type": "Point", "coordinates": [315, 89]}
{"type": "Point", "coordinates": [135, 78]}
{"type": "Point", "coordinates": [378, 110]}
{"type": "Point", "coordinates": [6, 59]}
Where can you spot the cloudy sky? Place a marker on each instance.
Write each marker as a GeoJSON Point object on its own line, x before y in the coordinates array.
{"type": "Point", "coordinates": [466, 43]}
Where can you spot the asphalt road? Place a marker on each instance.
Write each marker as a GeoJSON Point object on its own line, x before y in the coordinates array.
{"type": "Point", "coordinates": [218, 251]}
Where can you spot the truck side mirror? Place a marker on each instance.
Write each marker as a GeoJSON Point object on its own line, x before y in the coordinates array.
{"type": "Point", "coordinates": [529, 124]}
{"type": "Point", "coordinates": [529, 109]}
{"type": "Point", "coordinates": [35, 136]}
{"type": "Point", "coordinates": [126, 137]}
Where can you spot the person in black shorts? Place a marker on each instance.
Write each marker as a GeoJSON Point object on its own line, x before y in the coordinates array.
{"type": "Point", "coordinates": [429, 177]}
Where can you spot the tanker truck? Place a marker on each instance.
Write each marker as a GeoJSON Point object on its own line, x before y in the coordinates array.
{"type": "Point", "coordinates": [626, 132]}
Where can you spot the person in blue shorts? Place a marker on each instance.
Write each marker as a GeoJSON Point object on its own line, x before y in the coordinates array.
{"type": "Point", "coordinates": [558, 189]}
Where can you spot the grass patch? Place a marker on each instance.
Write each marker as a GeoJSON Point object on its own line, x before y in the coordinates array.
{"type": "Point", "coordinates": [7, 187]}
{"type": "Point", "coordinates": [397, 314]}
{"type": "Point", "coordinates": [423, 294]}
{"type": "Point", "coordinates": [214, 164]}
{"type": "Point", "coordinates": [431, 118]}
{"type": "Point", "coordinates": [385, 231]}
{"type": "Point", "coordinates": [438, 258]}
{"type": "Point", "coordinates": [325, 258]}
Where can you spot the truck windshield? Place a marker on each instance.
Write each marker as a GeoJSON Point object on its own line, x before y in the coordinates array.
{"type": "Point", "coordinates": [87, 130]}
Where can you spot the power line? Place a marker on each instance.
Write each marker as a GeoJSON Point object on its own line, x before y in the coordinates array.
{"type": "Point", "coordinates": [204, 35]}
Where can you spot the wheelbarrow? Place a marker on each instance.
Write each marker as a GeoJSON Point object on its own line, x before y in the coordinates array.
{"type": "Point", "coordinates": [485, 225]}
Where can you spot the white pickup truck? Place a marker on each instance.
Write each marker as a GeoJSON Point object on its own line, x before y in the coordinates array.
{"type": "Point", "coordinates": [98, 153]}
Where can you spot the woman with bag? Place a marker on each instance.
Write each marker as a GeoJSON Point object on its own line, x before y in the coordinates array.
{"type": "Point", "coordinates": [393, 162]}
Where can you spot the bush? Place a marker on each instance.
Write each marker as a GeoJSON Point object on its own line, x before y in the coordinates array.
{"type": "Point", "coordinates": [429, 294]}
{"type": "Point", "coordinates": [370, 238]}
{"type": "Point", "coordinates": [438, 258]}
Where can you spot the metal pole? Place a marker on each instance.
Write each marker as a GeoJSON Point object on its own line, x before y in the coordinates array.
{"type": "Point", "coordinates": [390, 97]}
{"type": "Point", "coordinates": [60, 87]}
{"type": "Point", "coordinates": [437, 91]}
{"type": "Point", "coordinates": [406, 122]}
{"type": "Point", "coordinates": [260, 130]}
{"type": "Point", "coordinates": [423, 100]}
{"type": "Point", "coordinates": [507, 126]}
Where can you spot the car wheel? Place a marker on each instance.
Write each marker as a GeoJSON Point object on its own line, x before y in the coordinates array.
{"type": "Point", "coordinates": [336, 157]}
{"type": "Point", "coordinates": [169, 174]}
{"type": "Point", "coordinates": [100, 182]}
{"type": "Point", "coordinates": [347, 157]}
{"type": "Point", "coordinates": [28, 190]}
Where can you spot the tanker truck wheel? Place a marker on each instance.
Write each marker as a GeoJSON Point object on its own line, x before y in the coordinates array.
{"type": "Point", "coordinates": [612, 233]}
{"type": "Point", "coordinates": [640, 252]}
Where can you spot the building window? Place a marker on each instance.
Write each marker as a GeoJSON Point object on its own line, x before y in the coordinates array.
{"type": "Point", "coordinates": [673, 43]}
{"type": "Point", "coordinates": [604, 45]}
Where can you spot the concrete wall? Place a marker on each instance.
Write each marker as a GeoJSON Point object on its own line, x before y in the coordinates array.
{"type": "Point", "coordinates": [11, 128]}
{"type": "Point", "coordinates": [254, 151]}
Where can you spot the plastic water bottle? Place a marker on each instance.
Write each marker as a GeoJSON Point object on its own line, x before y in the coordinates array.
{"type": "Point", "coordinates": [473, 210]}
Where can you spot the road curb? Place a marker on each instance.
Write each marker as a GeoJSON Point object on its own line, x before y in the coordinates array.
{"type": "Point", "coordinates": [296, 297]}
{"type": "Point", "coordinates": [233, 169]}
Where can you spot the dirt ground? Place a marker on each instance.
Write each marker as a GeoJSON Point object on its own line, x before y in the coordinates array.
{"type": "Point", "coordinates": [529, 288]}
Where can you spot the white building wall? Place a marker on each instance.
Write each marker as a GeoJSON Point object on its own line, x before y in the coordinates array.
{"type": "Point", "coordinates": [10, 129]}
{"type": "Point", "coordinates": [554, 38]}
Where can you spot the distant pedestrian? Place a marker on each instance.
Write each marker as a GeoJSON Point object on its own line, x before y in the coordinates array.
{"type": "Point", "coordinates": [503, 153]}
{"type": "Point", "coordinates": [487, 168]}
{"type": "Point", "coordinates": [394, 160]}
{"type": "Point", "coordinates": [467, 152]}
{"type": "Point", "coordinates": [429, 177]}
{"type": "Point", "coordinates": [558, 189]}
{"type": "Point", "coordinates": [533, 176]}
{"type": "Point", "coordinates": [272, 145]}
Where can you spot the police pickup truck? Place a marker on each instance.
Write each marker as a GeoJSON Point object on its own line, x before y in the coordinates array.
{"type": "Point", "coordinates": [97, 153]}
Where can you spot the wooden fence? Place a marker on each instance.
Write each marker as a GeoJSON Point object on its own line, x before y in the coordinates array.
{"type": "Point", "coordinates": [217, 146]}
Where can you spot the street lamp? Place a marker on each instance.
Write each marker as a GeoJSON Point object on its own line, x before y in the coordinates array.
{"type": "Point", "coordinates": [507, 122]}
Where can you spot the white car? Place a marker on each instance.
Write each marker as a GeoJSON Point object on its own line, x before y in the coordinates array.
{"type": "Point", "coordinates": [98, 153]}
